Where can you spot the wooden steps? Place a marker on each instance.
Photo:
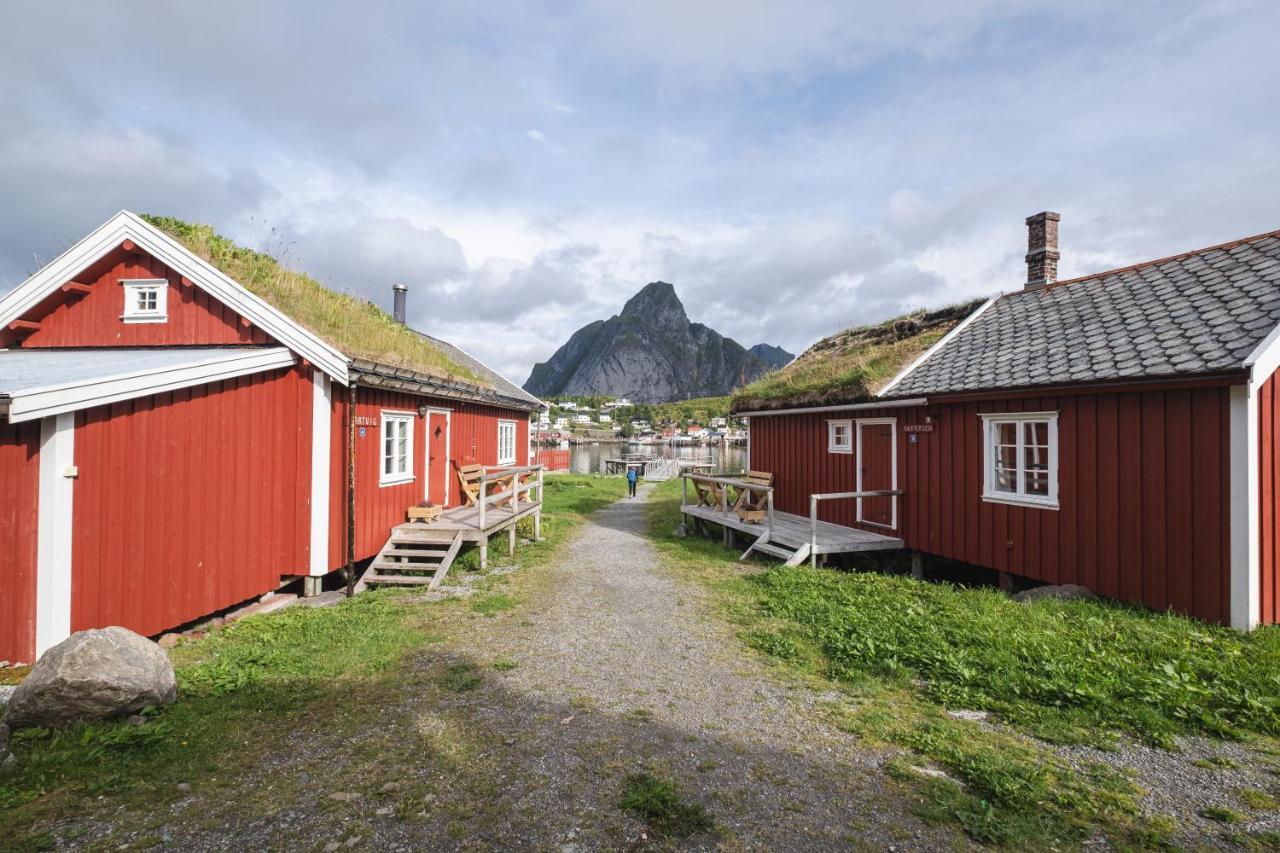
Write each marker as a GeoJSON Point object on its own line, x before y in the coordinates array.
{"type": "Point", "coordinates": [764, 546]}
{"type": "Point", "coordinates": [414, 557]}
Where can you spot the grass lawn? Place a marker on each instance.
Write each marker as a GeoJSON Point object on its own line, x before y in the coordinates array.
{"type": "Point", "coordinates": [902, 652]}
{"type": "Point", "coordinates": [244, 688]}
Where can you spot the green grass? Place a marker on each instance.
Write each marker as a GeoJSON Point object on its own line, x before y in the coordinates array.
{"type": "Point", "coordinates": [354, 325]}
{"type": "Point", "coordinates": [1259, 800]}
{"type": "Point", "coordinates": [245, 687]}
{"type": "Point", "coordinates": [1066, 671]}
{"type": "Point", "coordinates": [900, 652]}
{"type": "Point", "coordinates": [1222, 815]}
{"type": "Point", "coordinates": [658, 802]}
{"type": "Point", "coordinates": [852, 364]}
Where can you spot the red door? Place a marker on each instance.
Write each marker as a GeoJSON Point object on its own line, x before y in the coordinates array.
{"type": "Point", "coordinates": [437, 457]}
{"type": "Point", "coordinates": [876, 472]}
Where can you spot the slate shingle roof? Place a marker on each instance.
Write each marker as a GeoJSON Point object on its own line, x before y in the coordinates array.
{"type": "Point", "coordinates": [500, 383]}
{"type": "Point", "coordinates": [1200, 312]}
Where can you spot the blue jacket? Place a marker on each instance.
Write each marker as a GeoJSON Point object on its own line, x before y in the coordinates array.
{"type": "Point", "coordinates": [632, 476]}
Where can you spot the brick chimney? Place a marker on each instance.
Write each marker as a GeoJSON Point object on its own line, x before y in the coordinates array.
{"type": "Point", "coordinates": [1042, 249]}
{"type": "Point", "coordinates": [399, 292]}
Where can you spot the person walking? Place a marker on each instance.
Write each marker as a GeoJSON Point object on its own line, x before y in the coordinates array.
{"type": "Point", "coordinates": [632, 477]}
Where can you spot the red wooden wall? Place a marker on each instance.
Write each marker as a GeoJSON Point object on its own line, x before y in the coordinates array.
{"type": "Point", "coordinates": [1143, 492]}
{"type": "Point", "coordinates": [191, 501]}
{"type": "Point", "coordinates": [93, 320]}
{"type": "Point", "coordinates": [1269, 505]}
{"type": "Point", "coordinates": [473, 440]}
{"type": "Point", "coordinates": [20, 476]}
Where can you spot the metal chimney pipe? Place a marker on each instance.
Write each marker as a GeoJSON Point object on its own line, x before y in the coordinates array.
{"type": "Point", "coordinates": [400, 292]}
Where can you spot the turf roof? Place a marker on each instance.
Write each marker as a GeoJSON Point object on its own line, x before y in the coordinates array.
{"type": "Point", "coordinates": [353, 325]}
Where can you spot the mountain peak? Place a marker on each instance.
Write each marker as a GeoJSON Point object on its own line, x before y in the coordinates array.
{"type": "Point", "coordinates": [656, 297]}
{"type": "Point", "coordinates": [650, 352]}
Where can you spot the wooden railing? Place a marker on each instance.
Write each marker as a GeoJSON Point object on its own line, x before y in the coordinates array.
{"type": "Point", "coordinates": [725, 484]}
{"type": "Point", "coordinates": [517, 482]}
{"type": "Point", "coordinates": [837, 496]}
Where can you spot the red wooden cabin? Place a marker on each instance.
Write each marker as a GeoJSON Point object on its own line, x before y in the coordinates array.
{"type": "Point", "coordinates": [1116, 431]}
{"type": "Point", "coordinates": [172, 445]}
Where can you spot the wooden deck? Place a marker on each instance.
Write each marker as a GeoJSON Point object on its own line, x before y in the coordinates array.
{"type": "Point", "coordinates": [793, 532]}
{"type": "Point", "coordinates": [466, 520]}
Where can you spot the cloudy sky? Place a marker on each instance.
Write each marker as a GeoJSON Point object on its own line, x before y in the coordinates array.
{"type": "Point", "coordinates": [793, 168]}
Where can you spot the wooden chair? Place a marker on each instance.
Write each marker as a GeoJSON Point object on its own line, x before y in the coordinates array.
{"type": "Point", "coordinates": [470, 476]}
{"type": "Point", "coordinates": [751, 505]}
{"type": "Point", "coordinates": [709, 493]}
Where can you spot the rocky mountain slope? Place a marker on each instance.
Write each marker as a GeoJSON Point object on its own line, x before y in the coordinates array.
{"type": "Point", "coordinates": [775, 357]}
{"type": "Point", "coordinates": [650, 353]}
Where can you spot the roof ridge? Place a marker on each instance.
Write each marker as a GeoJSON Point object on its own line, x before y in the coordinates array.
{"type": "Point", "coordinates": [1230, 244]}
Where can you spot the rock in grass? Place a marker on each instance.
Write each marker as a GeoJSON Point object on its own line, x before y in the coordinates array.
{"type": "Point", "coordinates": [1060, 592]}
{"type": "Point", "coordinates": [93, 675]}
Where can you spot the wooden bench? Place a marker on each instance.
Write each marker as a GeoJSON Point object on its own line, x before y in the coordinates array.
{"type": "Point", "coordinates": [751, 504]}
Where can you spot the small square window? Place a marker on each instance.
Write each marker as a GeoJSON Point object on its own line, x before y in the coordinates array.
{"type": "Point", "coordinates": [839, 436]}
{"type": "Point", "coordinates": [145, 301]}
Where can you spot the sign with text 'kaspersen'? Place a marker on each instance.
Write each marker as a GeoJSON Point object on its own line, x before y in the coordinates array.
{"type": "Point", "coordinates": [918, 428]}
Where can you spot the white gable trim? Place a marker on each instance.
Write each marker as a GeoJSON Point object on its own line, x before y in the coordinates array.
{"type": "Point", "coordinates": [939, 345]}
{"type": "Point", "coordinates": [129, 226]}
{"type": "Point", "coordinates": [32, 403]}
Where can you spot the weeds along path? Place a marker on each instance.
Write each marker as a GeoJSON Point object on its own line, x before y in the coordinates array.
{"type": "Point", "coordinates": [620, 670]}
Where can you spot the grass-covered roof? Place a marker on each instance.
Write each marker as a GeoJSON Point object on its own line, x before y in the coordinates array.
{"type": "Point", "coordinates": [853, 365]}
{"type": "Point", "coordinates": [349, 323]}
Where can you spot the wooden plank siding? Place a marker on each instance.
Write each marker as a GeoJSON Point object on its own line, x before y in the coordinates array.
{"type": "Point", "coordinates": [20, 474]}
{"type": "Point", "coordinates": [473, 439]}
{"type": "Point", "coordinates": [1143, 491]}
{"type": "Point", "coordinates": [190, 501]}
{"type": "Point", "coordinates": [93, 320]}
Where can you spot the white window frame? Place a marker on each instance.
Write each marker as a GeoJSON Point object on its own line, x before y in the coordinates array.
{"type": "Point", "coordinates": [507, 458]}
{"type": "Point", "coordinates": [398, 477]}
{"type": "Point", "coordinates": [1020, 497]}
{"type": "Point", "coordinates": [133, 288]}
{"type": "Point", "coordinates": [893, 461]}
{"type": "Point", "coordinates": [832, 446]}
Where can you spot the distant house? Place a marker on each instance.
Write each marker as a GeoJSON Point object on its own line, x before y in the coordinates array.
{"type": "Point", "coordinates": [173, 444]}
{"type": "Point", "coordinates": [567, 406]}
{"type": "Point", "coordinates": [606, 419]}
{"type": "Point", "coordinates": [582, 419]}
{"type": "Point", "coordinates": [1116, 430]}
{"type": "Point", "coordinates": [719, 423]}
{"type": "Point", "coordinates": [562, 423]}
{"type": "Point", "coordinates": [621, 403]}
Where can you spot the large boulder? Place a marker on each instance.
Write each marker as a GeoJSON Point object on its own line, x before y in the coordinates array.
{"type": "Point", "coordinates": [1059, 592]}
{"type": "Point", "coordinates": [93, 675]}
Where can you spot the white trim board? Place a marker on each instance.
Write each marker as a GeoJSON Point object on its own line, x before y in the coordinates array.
{"type": "Point", "coordinates": [909, 402]}
{"type": "Point", "coordinates": [321, 445]}
{"type": "Point", "coordinates": [129, 226]}
{"type": "Point", "coordinates": [53, 530]}
{"type": "Point", "coordinates": [1245, 567]}
{"type": "Point", "coordinates": [32, 403]}
{"type": "Point", "coordinates": [924, 356]}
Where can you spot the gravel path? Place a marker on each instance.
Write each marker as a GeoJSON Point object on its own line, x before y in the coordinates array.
{"type": "Point", "coordinates": [608, 667]}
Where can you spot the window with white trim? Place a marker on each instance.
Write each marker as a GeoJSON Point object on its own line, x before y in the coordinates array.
{"type": "Point", "coordinates": [397, 448]}
{"type": "Point", "coordinates": [506, 442]}
{"type": "Point", "coordinates": [1021, 458]}
{"type": "Point", "coordinates": [145, 301]}
{"type": "Point", "coordinates": [839, 436]}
